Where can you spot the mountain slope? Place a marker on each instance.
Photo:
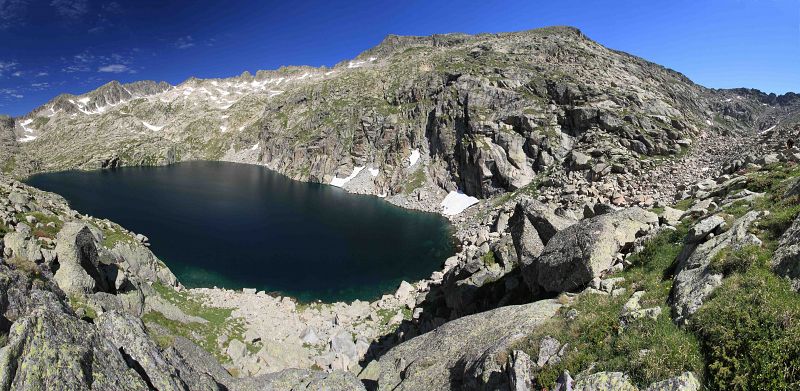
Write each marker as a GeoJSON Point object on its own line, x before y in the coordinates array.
{"type": "Point", "coordinates": [487, 113]}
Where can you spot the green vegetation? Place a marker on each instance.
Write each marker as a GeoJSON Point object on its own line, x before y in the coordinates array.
{"type": "Point", "coordinates": [9, 165]}
{"type": "Point", "coordinates": [648, 350]}
{"type": "Point", "coordinates": [113, 236]}
{"type": "Point", "coordinates": [727, 262]}
{"type": "Point", "coordinates": [684, 204]}
{"type": "Point", "coordinates": [750, 333]}
{"type": "Point", "coordinates": [207, 335]}
{"type": "Point", "coordinates": [746, 335]}
{"type": "Point", "coordinates": [51, 224]}
{"type": "Point", "coordinates": [414, 182]}
{"type": "Point", "coordinates": [750, 328]}
{"type": "Point", "coordinates": [488, 259]}
{"type": "Point", "coordinates": [79, 303]}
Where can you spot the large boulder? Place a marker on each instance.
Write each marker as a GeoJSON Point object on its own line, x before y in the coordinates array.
{"type": "Point", "coordinates": [581, 252]}
{"type": "Point", "coordinates": [450, 356]}
{"type": "Point", "coordinates": [543, 218]}
{"type": "Point", "coordinates": [137, 260]}
{"type": "Point", "coordinates": [786, 260]}
{"type": "Point", "coordinates": [694, 279]}
{"type": "Point", "coordinates": [79, 269]}
{"type": "Point", "coordinates": [53, 350]}
{"type": "Point", "coordinates": [127, 334]}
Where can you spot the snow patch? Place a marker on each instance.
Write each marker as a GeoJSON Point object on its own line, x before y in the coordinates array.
{"type": "Point", "coordinates": [374, 171]}
{"type": "Point", "coordinates": [26, 139]}
{"type": "Point", "coordinates": [357, 64]}
{"type": "Point", "coordinates": [456, 202]}
{"type": "Point", "coordinates": [254, 147]}
{"type": "Point", "coordinates": [84, 101]}
{"type": "Point", "coordinates": [152, 127]}
{"type": "Point", "coordinates": [339, 182]}
{"type": "Point", "coordinates": [767, 130]}
{"type": "Point", "coordinates": [413, 158]}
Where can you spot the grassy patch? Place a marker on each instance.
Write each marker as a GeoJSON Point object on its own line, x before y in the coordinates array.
{"type": "Point", "coordinates": [113, 236]}
{"type": "Point", "coordinates": [750, 333]}
{"type": "Point", "coordinates": [414, 182]}
{"type": "Point", "coordinates": [78, 303]}
{"type": "Point", "coordinates": [9, 165]}
{"type": "Point", "coordinates": [25, 265]}
{"type": "Point", "coordinates": [218, 323]}
{"type": "Point", "coordinates": [488, 258]}
{"type": "Point", "coordinates": [684, 204]}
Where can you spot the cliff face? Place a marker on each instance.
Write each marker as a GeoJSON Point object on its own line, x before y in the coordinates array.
{"type": "Point", "coordinates": [487, 114]}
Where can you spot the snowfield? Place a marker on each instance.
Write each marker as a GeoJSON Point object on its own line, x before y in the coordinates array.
{"type": "Point", "coordinates": [152, 127]}
{"type": "Point", "coordinates": [456, 202]}
{"type": "Point", "coordinates": [339, 182]}
{"type": "Point", "coordinates": [413, 158]}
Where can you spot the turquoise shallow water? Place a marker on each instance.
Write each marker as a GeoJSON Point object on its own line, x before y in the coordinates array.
{"type": "Point", "coordinates": [234, 225]}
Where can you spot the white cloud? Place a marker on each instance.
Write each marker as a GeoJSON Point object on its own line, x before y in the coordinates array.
{"type": "Point", "coordinates": [7, 93]}
{"type": "Point", "coordinates": [42, 74]}
{"type": "Point", "coordinates": [11, 12]}
{"type": "Point", "coordinates": [72, 9]}
{"type": "Point", "coordinates": [184, 42]}
{"type": "Point", "coordinates": [7, 66]}
{"type": "Point", "coordinates": [17, 74]}
{"type": "Point", "coordinates": [115, 68]}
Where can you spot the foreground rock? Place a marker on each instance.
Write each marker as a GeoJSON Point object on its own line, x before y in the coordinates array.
{"type": "Point", "coordinates": [695, 279]}
{"type": "Point", "coordinates": [786, 260]}
{"type": "Point", "coordinates": [581, 252]}
{"type": "Point", "coordinates": [467, 352]}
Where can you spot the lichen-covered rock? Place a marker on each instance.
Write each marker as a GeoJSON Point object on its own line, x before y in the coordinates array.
{"type": "Point", "coordinates": [127, 334]}
{"type": "Point", "coordinates": [432, 360]}
{"type": "Point", "coordinates": [579, 253]}
{"type": "Point", "coordinates": [694, 279]}
{"type": "Point", "coordinates": [137, 260]}
{"type": "Point", "coordinates": [78, 266]}
{"type": "Point", "coordinates": [687, 381]}
{"type": "Point", "coordinates": [53, 350]}
{"type": "Point", "coordinates": [605, 381]}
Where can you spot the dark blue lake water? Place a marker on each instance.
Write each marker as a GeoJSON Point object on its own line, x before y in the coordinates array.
{"type": "Point", "coordinates": [235, 225]}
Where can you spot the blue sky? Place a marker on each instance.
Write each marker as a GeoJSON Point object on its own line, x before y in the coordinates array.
{"type": "Point", "coordinates": [52, 46]}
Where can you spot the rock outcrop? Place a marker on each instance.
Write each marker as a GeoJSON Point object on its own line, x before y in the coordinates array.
{"type": "Point", "coordinates": [786, 260]}
{"type": "Point", "coordinates": [695, 280]}
{"type": "Point", "coordinates": [462, 352]}
{"type": "Point", "coordinates": [581, 252]}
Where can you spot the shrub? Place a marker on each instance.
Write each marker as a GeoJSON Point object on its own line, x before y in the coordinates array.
{"type": "Point", "coordinates": [750, 333]}
{"type": "Point", "coordinates": [727, 262]}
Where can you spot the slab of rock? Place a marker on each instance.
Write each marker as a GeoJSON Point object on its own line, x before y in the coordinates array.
{"type": "Point", "coordinates": [78, 271]}
{"type": "Point", "coordinates": [605, 381]}
{"type": "Point", "coordinates": [701, 229]}
{"type": "Point", "coordinates": [786, 260]}
{"type": "Point", "coordinates": [544, 219]}
{"type": "Point", "coordinates": [342, 343]}
{"type": "Point", "coordinates": [53, 350]}
{"type": "Point", "coordinates": [127, 334]}
{"type": "Point", "coordinates": [426, 362]}
{"type": "Point", "coordinates": [694, 281]}
{"type": "Point", "coordinates": [519, 372]}
{"type": "Point", "coordinates": [581, 252]}
{"type": "Point", "coordinates": [687, 381]}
